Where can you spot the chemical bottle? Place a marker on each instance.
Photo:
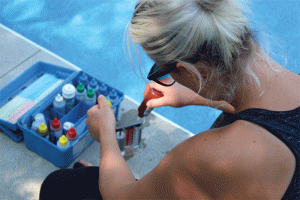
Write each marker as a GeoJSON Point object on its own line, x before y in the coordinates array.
{"type": "Point", "coordinates": [94, 85]}
{"type": "Point", "coordinates": [40, 117]}
{"type": "Point", "coordinates": [83, 79]}
{"type": "Point", "coordinates": [63, 142]}
{"type": "Point", "coordinates": [67, 126]}
{"type": "Point", "coordinates": [59, 104]}
{"type": "Point", "coordinates": [68, 92]}
{"type": "Point", "coordinates": [72, 134]}
{"type": "Point", "coordinates": [81, 92]}
{"type": "Point", "coordinates": [43, 131]}
{"type": "Point", "coordinates": [143, 109]}
{"type": "Point", "coordinates": [90, 97]}
{"type": "Point", "coordinates": [113, 98]}
{"type": "Point", "coordinates": [103, 89]}
{"type": "Point", "coordinates": [38, 120]}
{"type": "Point", "coordinates": [56, 128]}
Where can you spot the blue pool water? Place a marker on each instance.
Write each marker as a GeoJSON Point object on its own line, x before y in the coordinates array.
{"type": "Point", "coordinates": [90, 33]}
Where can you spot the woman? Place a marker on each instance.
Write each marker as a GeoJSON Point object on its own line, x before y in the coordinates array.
{"type": "Point", "coordinates": [209, 50]}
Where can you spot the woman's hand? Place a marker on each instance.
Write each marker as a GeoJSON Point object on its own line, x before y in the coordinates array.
{"type": "Point", "coordinates": [178, 95]}
{"type": "Point", "coordinates": [101, 120]}
{"type": "Point", "coordinates": [175, 96]}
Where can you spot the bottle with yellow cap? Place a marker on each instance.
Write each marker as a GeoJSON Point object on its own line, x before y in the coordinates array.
{"type": "Point", "coordinates": [43, 131]}
{"type": "Point", "coordinates": [63, 142]}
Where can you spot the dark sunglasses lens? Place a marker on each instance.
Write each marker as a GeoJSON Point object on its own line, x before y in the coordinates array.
{"type": "Point", "coordinates": [166, 82]}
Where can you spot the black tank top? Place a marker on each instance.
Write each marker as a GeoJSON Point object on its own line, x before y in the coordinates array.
{"type": "Point", "coordinates": [285, 125]}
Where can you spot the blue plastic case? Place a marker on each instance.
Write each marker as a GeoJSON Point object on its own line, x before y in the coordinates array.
{"type": "Point", "coordinates": [77, 115]}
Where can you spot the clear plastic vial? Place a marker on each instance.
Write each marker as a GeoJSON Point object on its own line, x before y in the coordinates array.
{"type": "Point", "coordinates": [80, 92]}
{"type": "Point", "coordinates": [40, 117]}
{"type": "Point", "coordinates": [35, 125]}
{"type": "Point", "coordinates": [94, 85]}
{"type": "Point", "coordinates": [90, 97]}
{"type": "Point", "coordinates": [59, 104]}
{"type": "Point", "coordinates": [103, 90]}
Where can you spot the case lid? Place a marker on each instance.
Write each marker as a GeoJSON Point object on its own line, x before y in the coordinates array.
{"type": "Point", "coordinates": [30, 89]}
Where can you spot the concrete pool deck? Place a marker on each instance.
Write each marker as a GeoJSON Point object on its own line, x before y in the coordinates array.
{"type": "Point", "coordinates": [23, 171]}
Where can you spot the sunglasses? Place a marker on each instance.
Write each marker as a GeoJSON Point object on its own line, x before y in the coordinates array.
{"type": "Point", "coordinates": [160, 75]}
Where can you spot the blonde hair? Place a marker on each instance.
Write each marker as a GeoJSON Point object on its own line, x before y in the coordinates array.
{"type": "Point", "coordinates": [213, 32]}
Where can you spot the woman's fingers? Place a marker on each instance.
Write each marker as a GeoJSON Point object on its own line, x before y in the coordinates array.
{"type": "Point", "coordinates": [85, 163]}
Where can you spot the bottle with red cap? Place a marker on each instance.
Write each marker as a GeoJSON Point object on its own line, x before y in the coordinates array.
{"type": "Point", "coordinates": [56, 130]}
{"type": "Point", "coordinates": [72, 134]}
{"type": "Point", "coordinates": [143, 110]}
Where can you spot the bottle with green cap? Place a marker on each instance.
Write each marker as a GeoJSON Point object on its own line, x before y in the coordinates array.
{"type": "Point", "coordinates": [63, 142]}
{"type": "Point", "coordinates": [90, 97]}
{"type": "Point", "coordinates": [43, 131]}
{"type": "Point", "coordinates": [81, 92]}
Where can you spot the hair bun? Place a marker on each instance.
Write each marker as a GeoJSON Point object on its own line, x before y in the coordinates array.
{"type": "Point", "coordinates": [209, 5]}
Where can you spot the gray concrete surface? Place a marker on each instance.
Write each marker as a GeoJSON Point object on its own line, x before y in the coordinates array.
{"type": "Point", "coordinates": [22, 171]}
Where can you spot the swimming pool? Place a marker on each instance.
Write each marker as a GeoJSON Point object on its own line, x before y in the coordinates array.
{"type": "Point", "coordinates": [89, 34]}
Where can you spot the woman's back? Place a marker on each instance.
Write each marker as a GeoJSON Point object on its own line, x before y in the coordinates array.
{"type": "Point", "coordinates": [264, 125]}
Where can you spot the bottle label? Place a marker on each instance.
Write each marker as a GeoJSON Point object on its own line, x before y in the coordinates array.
{"type": "Point", "coordinates": [70, 102]}
{"type": "Point", "coordinates": [147, 111]}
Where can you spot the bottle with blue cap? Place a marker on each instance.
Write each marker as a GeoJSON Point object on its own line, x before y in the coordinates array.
{"type": "Point", "coordinates": [90, 97]}
{"type": "Point", "coordinates": [103, 89]}
{"type": "Point", "coordinates": [83, 79]}
{"type": "Point", "coordinates": [94, 85]}
{"type": "Point", "coordinates": [59, 104]}
{"type": "Point", "coordinates": [113, 98]}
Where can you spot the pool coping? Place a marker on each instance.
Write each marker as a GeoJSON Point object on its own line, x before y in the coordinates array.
{"type": "Point", "coordinates": [23, 170]}
{"type": "Point", "coordinates": [79, 69]}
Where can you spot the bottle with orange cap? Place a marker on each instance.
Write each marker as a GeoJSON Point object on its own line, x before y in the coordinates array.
{"type": "Point", "coordinates": [63, 142]}
{"type": "Point", "coordinates": [143, 110]}
{"type": "Point", "coordinates": [72, 134]}
{"type": "Point", "coordinates": [56, 130]}
{"type": "Point", "coordinates": [43, 131]}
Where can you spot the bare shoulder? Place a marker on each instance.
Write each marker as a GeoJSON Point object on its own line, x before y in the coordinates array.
{"type": "Point", "coordinates": [224, 163]}
{"type": "Point", "coordinates": [237, 162]}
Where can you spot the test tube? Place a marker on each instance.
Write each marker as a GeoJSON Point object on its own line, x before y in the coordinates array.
{"type": "Point", "coordinates": [136, 137]}
{"type": "Point", "coordinates": [130, 136]}
{"type": "Point", "coordinates": [121, 140]}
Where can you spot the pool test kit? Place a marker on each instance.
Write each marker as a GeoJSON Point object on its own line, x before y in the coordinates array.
{"type": "Point", "coordinates": [46, 106]}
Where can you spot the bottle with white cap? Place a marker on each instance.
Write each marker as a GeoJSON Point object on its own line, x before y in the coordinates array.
{"type": "Point", "coordinates": [67, 126]}
{"type": "Point", "coordinates": [94, 85]}
{"type": "Point", "coordinates": [68, 92]}
{"type": "Point", "coordinates": [90, 97]}
{"type": "Point", "coordinates": [63, 142]}
{"type": "Point", "coordinates": [59, 104]}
